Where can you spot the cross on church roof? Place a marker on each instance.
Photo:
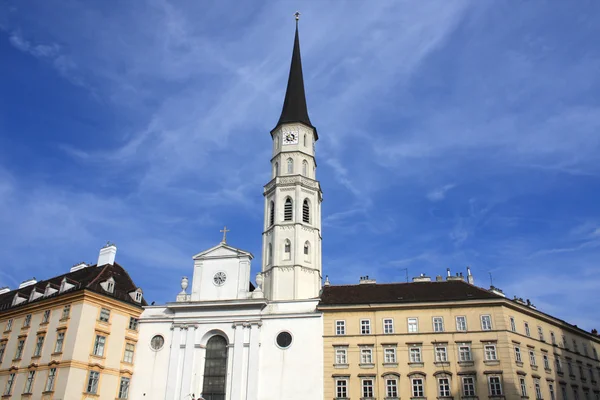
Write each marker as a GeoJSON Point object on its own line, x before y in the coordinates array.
{"type": "Point", "coordinates": [224, 230]}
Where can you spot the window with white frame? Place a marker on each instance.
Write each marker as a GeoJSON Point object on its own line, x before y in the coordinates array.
{"type": "Point", "coordinates": [444, 387]}
{"type": "Point", "coordinates": [417, 387]}
{"type": "Point", "coordinates": [468, 386]}
{"type": "Point", "coordinates": [538, 389]}
{"type": "Point", "coordinates": [27, 321]}
{"type": "Point", "coordinates": [546, 361]}
{"type": "Point", "coordinates": [60, 339]}
{"type": "Point", "coordinates": [99, 345]}
{"type": "Point", "coordinates": [341, 388]}
{"type": "Point", "coordinates": [551, 390]}
{"type": "Point", "coordinates": [441, 354]}
{"type": "Point", "coordinates": [38, 346]}
{"type": "Point", "coordinates": [532, 360]}
{"type": "Point", "coordinates": [66, 312]}
{"type": "Point", "coordinates": [464, 352]}
{"type": "Point", "coordinates": [438, 324]}
{"type": "Point", "coordinates": [513, 325]}
{"type": "Point", "coordinates": [415, 354]}
{"type": "Point", "coordinates": [495, 385]}
{"type": "Point", "coordinates": [341, 355]}
{"type": "Point", "coordinates": [461, 323]}
{"type": "Point", "coordinates": [413, 325]}
{"type": "Point", "coordinates": [9, 325]}
{"type": "Point", "coordinates": [104, 314]}
{"type": "Point", "coordinates": [366, 355]}
{"type": "Point", "coordinates": [124, 388]}
{"type": "Point", "coordinates": [559, 366]}
{"type": "Point", "coordinates": [388, 325]}
{"type": "Point", "coordinates": [46, 317]}
{"type": "Point", "coordinates": [540, 333]}
{"type": "Point", "coordinates": [389, 355]}
{"type": "Point", "coordinates": [19, 352]}
{"type": "Point", "coordinates": [340, 327]}
{"type": "Point", "coordinates": [29, 382]}
{"type": "Point", "coordinates": [486, 323]}
{"type": "Point", "coordinates": [129, 351]}
{"type": "Point", "coordinates": [367, 388]}
{"type": "Point", "coordinates": [365, 326]}
{"type": "Point", "coordinates": [527, 331]}
{"type": "Point", "coordinates": [518, 357]}
{"type": "Point", "coordinates": [391, 387]}
{"type": "Point", "coordinates": [9, 384]}
{"type": "Point", "coordinates": [523, 386]}
{"type": "Point", "coordinates": [92, 383]}
{"type": "Point", "coordinates": [50, 381]}
{"type": "Point", "coordinates": [133, 323]}
{"type": "Point", "coordinates": [490, 352]}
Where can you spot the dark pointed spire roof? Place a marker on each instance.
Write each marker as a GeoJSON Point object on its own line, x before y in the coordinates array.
{"type": "Point", "coordinates": [294, 105]}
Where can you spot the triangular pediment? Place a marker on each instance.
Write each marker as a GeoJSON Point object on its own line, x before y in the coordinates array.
{"type": "Point", "coordinates": [222, 250]}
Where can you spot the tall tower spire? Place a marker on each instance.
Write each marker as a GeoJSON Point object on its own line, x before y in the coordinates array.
{"type": "Point", "coordinates": [291, 264]}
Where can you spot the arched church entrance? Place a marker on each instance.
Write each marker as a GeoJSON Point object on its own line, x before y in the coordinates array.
{"type": "Point", "coordinates": [215, 369]}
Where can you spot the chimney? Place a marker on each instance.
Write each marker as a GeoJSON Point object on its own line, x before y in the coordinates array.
{"type": "Point", "coordinates": [327, 283]}
{"type": "Point", "coordinates": [79, 266]}
{"type": "Point", "coordinates": [5, 289]}
{"type": "Point", "coordinates": [107, 254]}
{"type": "Point", "coordinates": [421, 278]}
{"type": "Point", "coordinates": [28, 282]}
{"type": "Point", "coordinates": [470, 278]}
{"type": "Point", "coordinates": [365, 280]}
{"type": "Point", "coordinates": [448, 272]}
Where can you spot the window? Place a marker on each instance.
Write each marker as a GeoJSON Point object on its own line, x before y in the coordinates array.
{"type": "Point", "coordinates": [341, 356]}
{"type": "Point", "coordinates": [575, 393]}
{"type": "Point", "coordinates": [490, 352]}
{"type": "Point", "coordinates": [66, 311]}
{"type": "Point", "coordinates": [564, 341]}
{"type": "Point", "coordinates": [271, 213]}
{"type": "Point", "coordinates": [2, 350]}
{"type": "Point", "coordinates": [527, 331]}
{"type": "Point", "coordinates": [541, 333]}
{"type": "Point", "coordinates": [341, 389]}
{"type": "Point", "coordinates": [581, 376]}
{"type": "Point", "coordinates": [9, 384]}
{"type": "Point", "coordinates": [575, 349]}
{"type": "Point", "coordinates": [546, 362]}
{"type": "Point", "coordinates": [585, 350]}
{"type": "Point", "coordinates": [438, 324]}
{"type": "Point", "coordinates": [391, 388]}
{"type": "Point", "coordinates": [288, 210]}
{"type": "Point", "coordinates": [129, 350]}
{"type": "Point", "coordinates": [365, 326]}
{"type": "Point", "coordinates": [366, 356]}
{"type": "Point", "coordinates": [441, 355]}
{"type": "Point", "coordinates": [99, 345]}
{"type": "Point", "coordinates": [444, 387]}
{"type": "Point", "coordinates": [551, 390]}
{"type": "Point", "coordinates": [138, 296]}
{"type": "Point", "coordinates": [110, 285]}
{"type": "Point", "coordinates": [417, 387]}
{"type": "Point", "coordinates": [124, 388]}
{"type": "Point", "coordinates": [38, 346]}
{"type": "Point", "coordinates": [104, 315]}
{"type": "Point", "coordinates": [306, 212]}
{"type": "Point", "coordinates": [495, 386]}
{"type": "Point", "coordinates": [304, 168]}
{"type": "Point", "coordinates": [46, 317]}
{"type": "Point", "coordinates": [464, 352]}
{"type": "Point", "coordinates": [461, 324]}
{"type": "Point", "coordinates": [486, 323]}
{"type": "Point", "coordinates": [563, 390]}
{"type": "Point", "coordinates": [269, 254]}
{"type": "Point", "coordinates": [389, 355]}
{"type": "Point", "coordinates": [276, 170]}
{"type": "Point", "coordinates": [9, 325]}
{"type": "Point", "coordinates": [29, 382]}
{"type": "Point", "coordinates": [50, 381]}
{"type": "Point", "coordinates": [215, 369]}
{"type": "Point", "coordinates": [513, 326]}
{"type": "Point", "coordinates": [523, 386]}
{"type": "Point", "coordinates": [553, 338]}
{"type": "Point", "coordinates": [538, 389]}
{"type": "Point", "coordinates": [290, 166]}
{"type": "Point", "coordinates": [415, 354]}
{"type": "Point", "coordinates": [27, 321]}
{"type": "Point", "coordinates": [133, 323]}
{"type": "Point", "coordinates": [367, 388]}
{"type": "Point", "coordinates": [532, 357]}
{"type": "Point", "coordinates": [413, 325]}
{"type": "Point", "coordinates": [559, 366]}
{"type": "Point", "coordinates": [570, 367]}
{"type": "Point", "coordinates": [276, 142]}
{"type": "Point", "coordinates": [287, 249]}
{"type": "Point", "coordinates": [92, 386]}
{"type": "Point", "coordinates": [307, 250]}
{"type": "Point", "coordinates": [595, 353]}
{"type": "Point", "coordinates": [19, 351]}
{"type": "Point", "coordinates": [340, 327]}
{"type": "Point", "coordinates": [60, 338]}
{"type": "Point", "coordinates": [388, 325]}
{"type": "Point", "coordinates": [592, 378]}
{"type": "Point", "coordinates": [518, 354]}
{"type": "Point", "coordinates": [468, 386]}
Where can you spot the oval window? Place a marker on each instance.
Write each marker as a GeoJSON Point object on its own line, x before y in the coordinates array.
{"type": "Point", "coordinates": [284, 340]}
{"type": "Point", "coordinates": [157, 342]}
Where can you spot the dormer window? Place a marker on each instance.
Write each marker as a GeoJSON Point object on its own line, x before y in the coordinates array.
{"type": "Point", "coordinates": [137, 295]}
{"type": "Point", "coordinates": [108, 285]}
{"type": "Point", "coordinates": [63, 285]}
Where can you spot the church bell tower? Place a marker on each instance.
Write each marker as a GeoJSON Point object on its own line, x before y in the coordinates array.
{"type": "Point", "coordinates": [291, 253]}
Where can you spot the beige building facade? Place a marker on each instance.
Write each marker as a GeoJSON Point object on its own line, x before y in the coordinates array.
{"type": "Point", "coordinates": [70, 337]}
{"type": "Point", "coordinates": [450, 339]}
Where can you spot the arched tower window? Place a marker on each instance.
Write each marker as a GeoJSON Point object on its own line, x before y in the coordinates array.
{"type": "Point", "coordinates": [276, 142]}
{"type": "Point", "coordinates": [306, 212]}
{"type": "Point", "coordinates": [287, 249]}
{"type": "Point", "coordinates": [290, 166]}
{"type": "Point", "coordinates": [305, 140]}
{"type": "Point", "coordinates": [215, 369]}
{"type": "Point", "coordinates": [288, 210]}
{"type": "Point", "coordinates": [307, 251]}
{"type": "Point", "coordinates": [270, 254]}
{"type": "Point", "coordinates": [276, 170]}
{"type": "Point", "coordinates": [305, 168]}
{"type": "Point", "coordinates": [271, 213]}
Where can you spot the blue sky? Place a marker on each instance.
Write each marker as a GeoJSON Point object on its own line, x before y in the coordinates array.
{"type": "Point", "coordinates": [451, 134]}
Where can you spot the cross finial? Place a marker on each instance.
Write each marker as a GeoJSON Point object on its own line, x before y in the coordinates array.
{"type": "Point", "coordinates": [297, 15]}
{"type": "Point", "coordinates": [224, 230]}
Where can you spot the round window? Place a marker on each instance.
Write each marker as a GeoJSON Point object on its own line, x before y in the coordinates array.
{"type": "Point", "coordinates": [284, 340]}
{"type": "Point", "coordinates": [157, 342]}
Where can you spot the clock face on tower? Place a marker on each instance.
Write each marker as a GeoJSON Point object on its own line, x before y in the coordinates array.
{"type": "Point", "coordinates": [220, 278]}
{"type": "Point", "coordinates": [290, 136]}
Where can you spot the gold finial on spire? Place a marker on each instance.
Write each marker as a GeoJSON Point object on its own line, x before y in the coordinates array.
{"type": "Point", "coordinates": [224, 230]}
{"type": "Point", "coordinates": [297, 15]}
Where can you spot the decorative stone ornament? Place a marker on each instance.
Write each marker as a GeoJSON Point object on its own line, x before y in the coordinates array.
{"type": "Point", "coordinates": [184, 284]}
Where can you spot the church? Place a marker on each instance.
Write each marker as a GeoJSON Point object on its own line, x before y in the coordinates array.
{"type": "Point", "coordinates": [224, 338]}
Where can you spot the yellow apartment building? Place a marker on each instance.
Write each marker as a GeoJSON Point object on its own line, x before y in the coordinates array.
{"type": "Point", "coordinates": [72, 336]}
{"type": "Point", "coordinates": [449, 339]}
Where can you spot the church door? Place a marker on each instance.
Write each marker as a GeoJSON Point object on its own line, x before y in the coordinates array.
{"type": "Point", "coordinates": [215, 369]}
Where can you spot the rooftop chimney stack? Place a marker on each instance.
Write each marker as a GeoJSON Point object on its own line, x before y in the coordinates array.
{"type": "Point", "coordinates": [470, 278]}
{"type": "Point", "coordinates": [107, 254]}
{"type": "Point", "coordinates": [365, 280]}
{"type": "Point", "coordinates": [448, 272]}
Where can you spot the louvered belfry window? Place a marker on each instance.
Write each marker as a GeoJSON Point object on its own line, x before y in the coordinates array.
{"type": "Point", "coordinates": [271, 213]}
{"type": "Point", "coordinates": [215, 369]}
{"type": "Point", "coordinates": [288, 210]}
{"type": "Point", "coordinates": [306, 211]}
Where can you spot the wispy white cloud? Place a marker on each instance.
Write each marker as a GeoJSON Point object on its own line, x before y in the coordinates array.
{"type": "Point", "coordinates": [440, 192]}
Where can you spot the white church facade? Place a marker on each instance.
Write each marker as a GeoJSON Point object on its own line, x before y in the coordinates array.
{"type": "Point", "coordinates": [228, 339]}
